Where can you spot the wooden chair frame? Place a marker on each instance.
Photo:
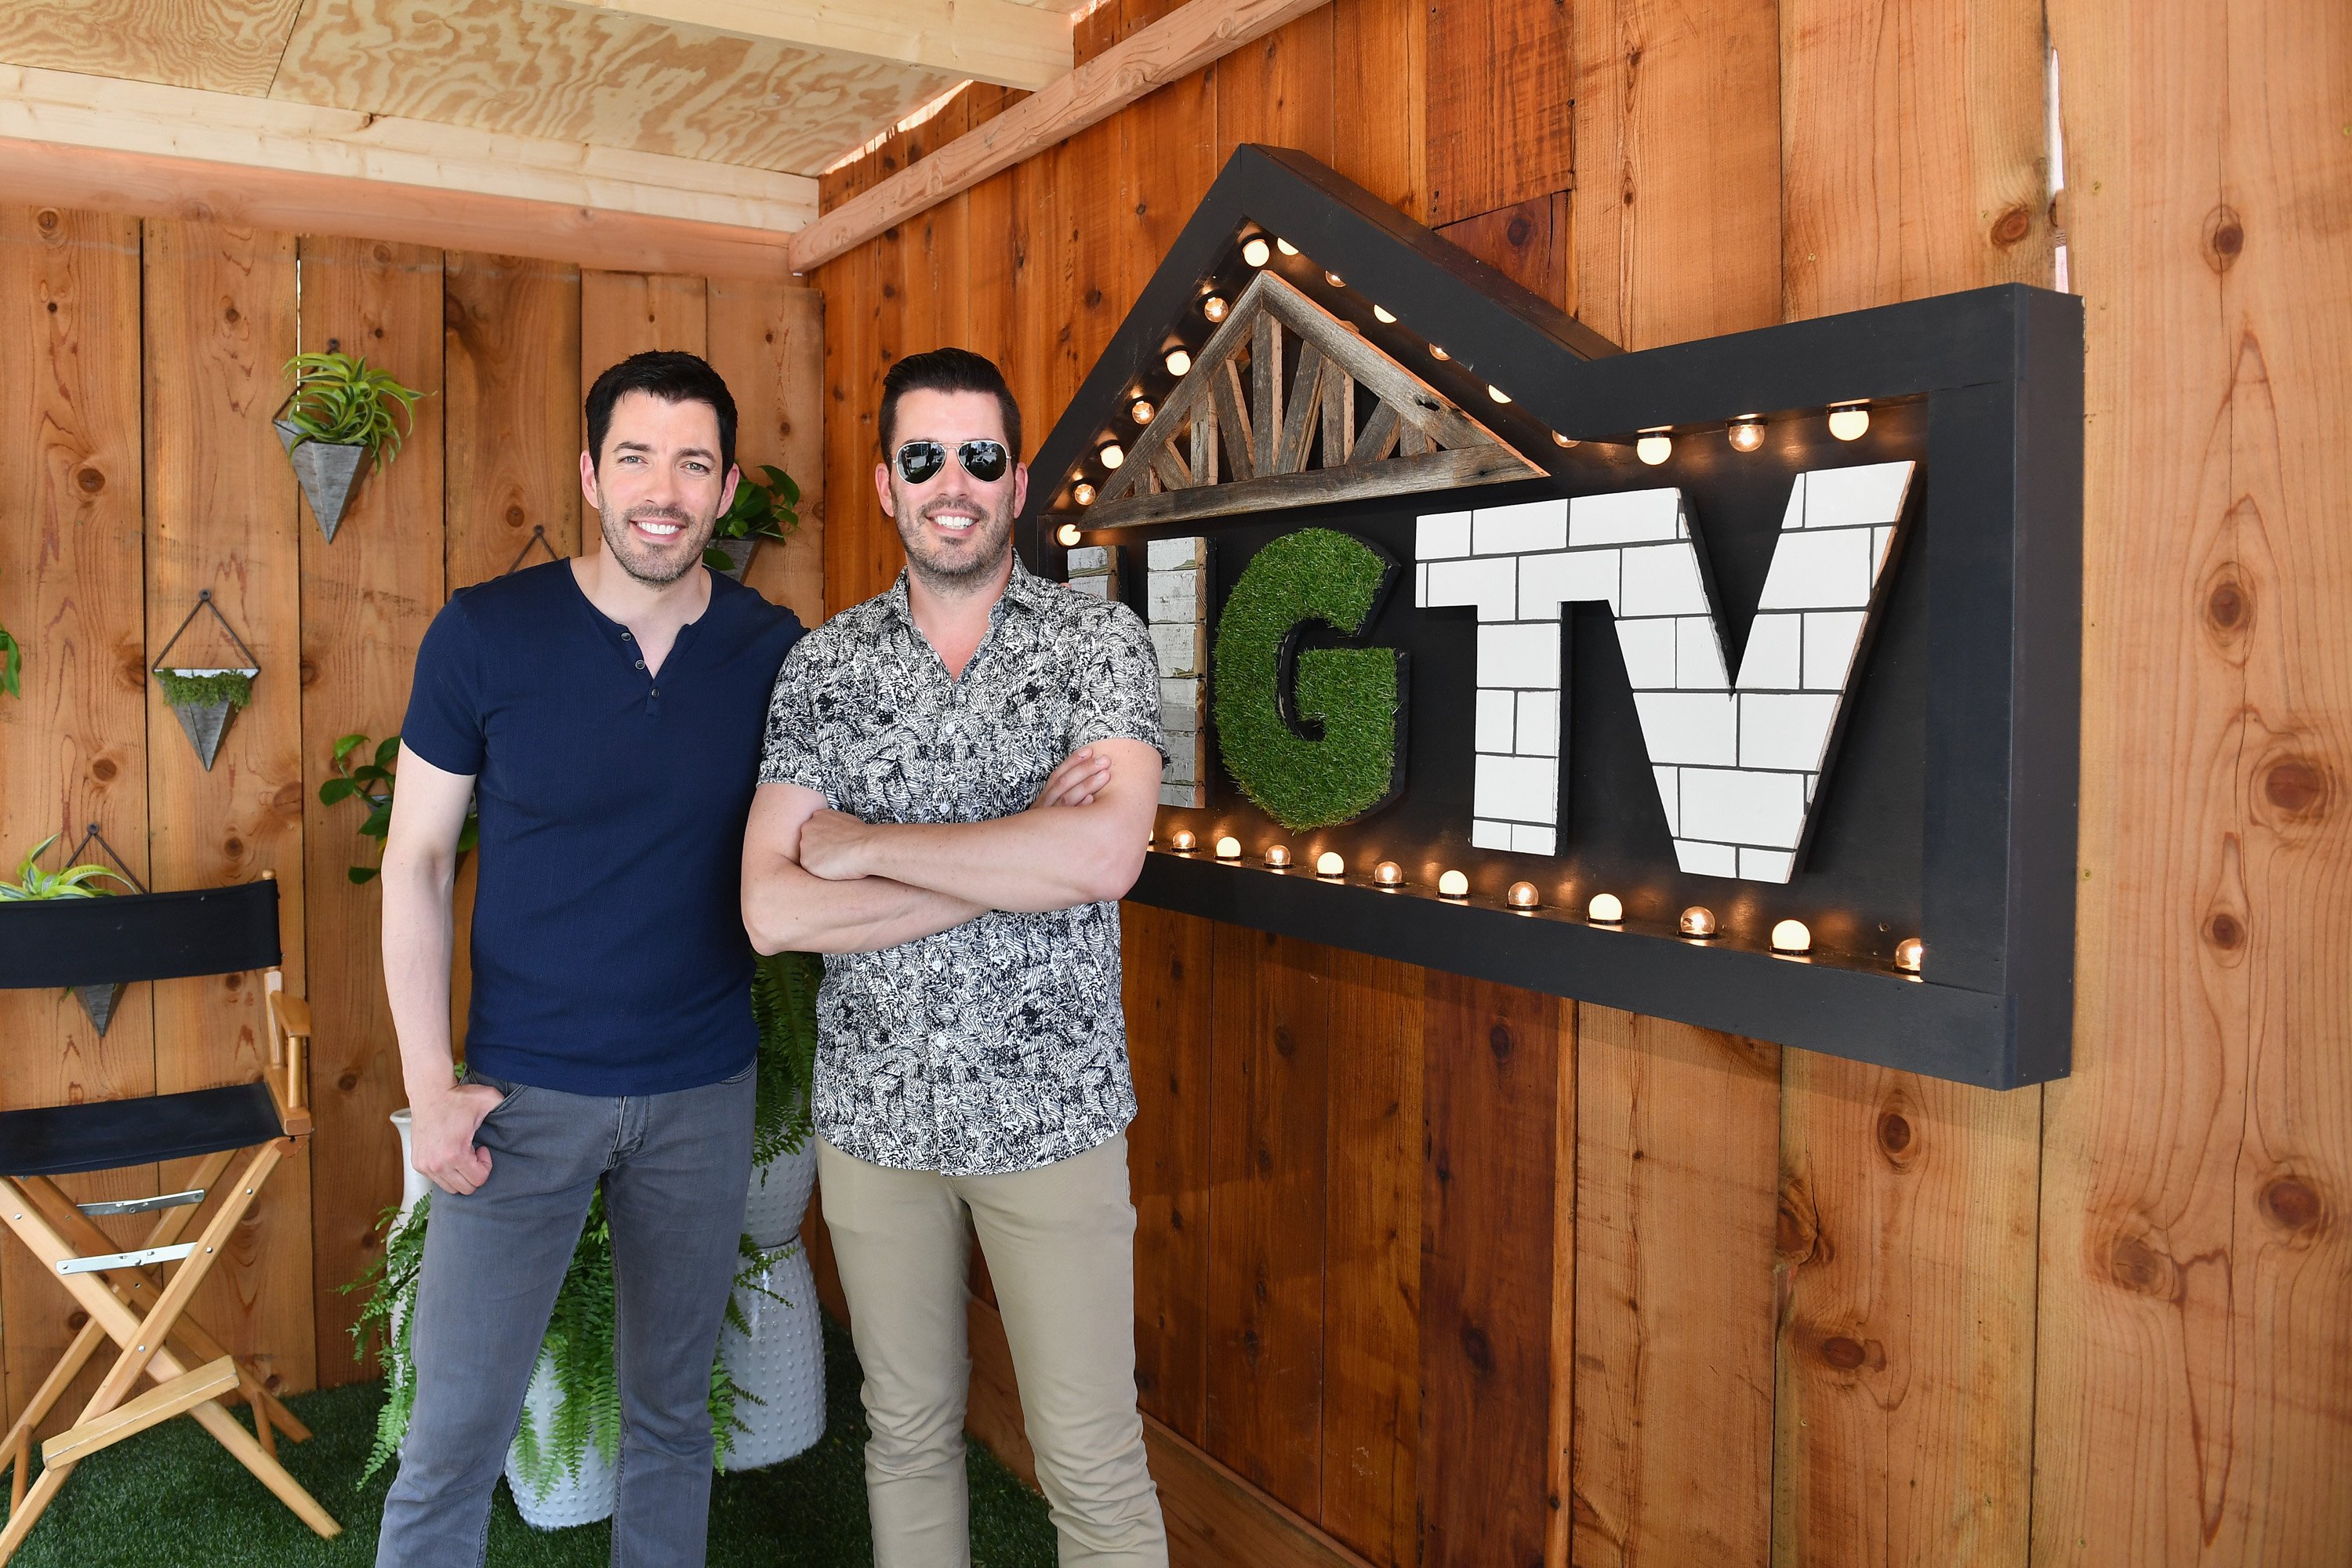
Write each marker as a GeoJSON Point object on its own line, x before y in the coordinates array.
{"type": "Point", "coordinates": [127, 1301]}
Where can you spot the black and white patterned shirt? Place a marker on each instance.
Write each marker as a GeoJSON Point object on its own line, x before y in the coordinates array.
{"type": "Point", "coordinates": [999, 1045]}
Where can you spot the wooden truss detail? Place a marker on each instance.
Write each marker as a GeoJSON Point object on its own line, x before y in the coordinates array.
{"type": "Point", "coordinates": [1269, 416]}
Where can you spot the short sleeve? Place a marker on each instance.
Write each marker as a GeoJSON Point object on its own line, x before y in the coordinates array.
{"type": "Point", "coordinates": [1118, 683]}
{"type": "Point", "coordinates": [790, 753]}
{"type": "Point", "coordinates": [445, 704]}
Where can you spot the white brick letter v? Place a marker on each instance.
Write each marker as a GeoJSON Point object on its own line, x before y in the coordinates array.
{"type": "Point", "coordinates": [1737, 763]}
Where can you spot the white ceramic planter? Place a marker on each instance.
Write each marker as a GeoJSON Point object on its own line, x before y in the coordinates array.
{"type": "Point", "coordinates": [780, 1363]}
{"type": "Point", "coordinates": [778, 1197]}
{"type": "Point", "coordinates": [569, 1500]}
{"type": "Point", "coordinates": [412, 1183]}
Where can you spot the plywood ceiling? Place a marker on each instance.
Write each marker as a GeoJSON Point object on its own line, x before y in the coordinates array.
{"type": "Point", "coordinates": [527, 67]}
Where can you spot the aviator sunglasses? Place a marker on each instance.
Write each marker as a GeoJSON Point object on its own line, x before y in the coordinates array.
{"type": "Point", "coordinates": [984, 461]}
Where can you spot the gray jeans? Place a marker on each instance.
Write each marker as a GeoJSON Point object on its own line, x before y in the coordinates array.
{"type": "Point", "coordinates": [675, 1168]}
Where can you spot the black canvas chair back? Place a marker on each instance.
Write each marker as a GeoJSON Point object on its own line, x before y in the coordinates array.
{"type": "Point", "coordinates": [122, 1295]}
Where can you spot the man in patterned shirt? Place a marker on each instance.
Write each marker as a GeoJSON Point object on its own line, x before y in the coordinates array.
{"type": "Point", "coordinates": [960, 781]}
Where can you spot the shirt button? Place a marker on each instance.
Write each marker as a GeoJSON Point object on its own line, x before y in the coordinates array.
{"type": "Point", "coordinates": [641, 664]}
{"type": "Point", "coordinates": [656, 692]}
{"type": "Point", "coordinates": [626, 638]}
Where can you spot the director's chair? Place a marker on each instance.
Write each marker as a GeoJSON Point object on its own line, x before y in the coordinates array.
{"type": "Point", "coordinates": [149, 936]}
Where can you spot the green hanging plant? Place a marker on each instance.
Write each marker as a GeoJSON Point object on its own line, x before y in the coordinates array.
{"type": "Point", "coordinates": [339, 401]}
{"type": "Point", "coordinates": [372, 783]}
{"type": "Point", "coordinates": [769, 511]}
{"type": "Point", "coordinates": [34, 885]}
{"type": "Point", "coordinates": [233, 687]}
{"type": "Point", "coordinates": [11, 665]}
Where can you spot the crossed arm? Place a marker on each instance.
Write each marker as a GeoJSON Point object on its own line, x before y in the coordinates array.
{"type": "Point", "coordinates": [820, 881]}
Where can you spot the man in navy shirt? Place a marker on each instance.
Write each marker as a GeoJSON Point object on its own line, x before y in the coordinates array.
{"type": "Point", "coordinates": [606, 713]}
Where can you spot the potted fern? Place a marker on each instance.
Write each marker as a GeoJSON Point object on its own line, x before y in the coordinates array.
{"type": "Point", "coordinates": [769, 511]}
{"type": "Point", "coordinates": [340, 412]}
{"type": "Point", "coordinates": [560, 1468]}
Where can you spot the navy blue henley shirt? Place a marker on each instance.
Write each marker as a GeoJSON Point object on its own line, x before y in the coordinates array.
{"type": "Point", "coordinates": [608, 946]}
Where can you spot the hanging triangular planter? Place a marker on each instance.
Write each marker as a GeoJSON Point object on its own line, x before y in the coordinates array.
{"type": "Point", "coordinates": [329, 474]}
{"type": "Point", "coordinates": [99, 1000]}
{"type": "Point", "coordinates": [205, 722]}
{"type": "Point", "coordinates": [204, 698]}
{"type": "Point", "coordinates": [738, 553]}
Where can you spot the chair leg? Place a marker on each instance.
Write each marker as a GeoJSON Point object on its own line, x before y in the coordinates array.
{"type": "Point", "coordinates": [25, 1515]}
{"type": "Point", "coordinates": [52, 1388]}
{"type": "Point", "coordinates": [20, 1460]}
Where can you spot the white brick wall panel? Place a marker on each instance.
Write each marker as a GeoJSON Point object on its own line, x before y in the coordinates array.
{"type": "Point", "coordinates": [1497, 726]}
{"type": "Point", "coordinates": [1163, 554]}
{"type": "Point", "coordinates": [1575, 576]}
{"type": "Point", "coordinates": [1706, 860]}
{"type": "Point", "coordinates": [1773, 660]}
{"type": "Point", "coordinates": [1516, 789]}
{"type": "Point", "coordinates": [1631, 517]}
{"type": "Point", "coordinates": [1736, 806]}
{"type": "Point", "coordinates": [1689, 727]}
{"type": "Point", "coordinates": [1176, 596]}
{"type": "Point", "coordinates": [1766, 865]}
{"type": "Point", "coordinates": [1527, 840]}
{"type": "Point", "coordinates": [1085, 560]}
{"type": "Point", "coordinates": [1192, 796]}
{"type": "Point", "coordinates": [1184, 755]}
{"type": "Point", "coordinates": [1785, 730]}
{"type": "Point", "coordinates": [1522, 655]}
{"type": "Point", "coordinates": [1844, 497]}
{"type": "Point", "coordinates": [1538, 724]}
{"type": "Point", "coordinates": [1441, 534]}
{"type": "Point", "coordinates": [1824, 570]}
{"type": "Point", "coordinates": [1484, 834]}
{"type": "Point", "coordinates": [1512, 529]}
{"type": "Point", "coordinates": [1649, 650]}
{"type": "Point", "coordinates": [1179, 648]}
{"type": "Point", "coordinates": [1183, 696]}
{"type": "Point", "coordinates": [1698, 655]}
{"type": "Point", "coordinates": [1670, 796]}
{"type": "Point", "coordinates": [1491, 584]}
{"type": "Point", "coordinates": [1094, 587]}
{"type": "Point", "coordinates": [1831, 637]}
{"type": "Point", "coordinates": [1663, 580]}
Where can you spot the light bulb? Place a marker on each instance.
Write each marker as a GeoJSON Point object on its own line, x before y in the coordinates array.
{"type": "Point", "coordinates": [1142, 410]}
{"type": "Point", "coordinates": [1068, 535]}
{"type": "Point", "coordinates": [1523, 896]}
{"type": "Point", "coordinates": [1849, 420]}
{"type": "Point", "coordinates": [1383, 317]}
{"type": "Point", "coordinates": [1389, 874]}
{"type": "Point", "coordinates": [1179, 362]}
{"type": "Point", "coordinates": [1498, 395]}
{"type": "Point", "coordinates": [1214, 307]}
{"type": "Point", "coordinates": [1653, 448]}
{"type": "Point", "coordinates": [1083, 493]}
{"type": "Point", "coordinates": [1183, 842]}
{"type": "Point", "coordinates": [1329, 864]}
{"type": "Point", "coordinates": [1436, 352]}
{"type": "Point", "coordinates": [1454, 885]}
{"type": "Point", "coordinates": [1790, 936]}
{"type": "Point", "coordinates": [1112, 455]}
{"type": "Point", "coordinates": [1229, 848]}
{"type": "Point", "coordinates": [1257, 252]}
{"type": "Point", "coordinates": [1698, 920]}
{"type": "Point", "coordinates": [1747, 435]}
{"type": "Point", "coordinates": [1910, 953]}
{"type": "Point", "coordinates": [1277, 856]}
{"type": "Point", "coordinates": [1285, 247]}
{"type": "Point", "coordinates": [1334, 279]}
{"type": "Point", "coordinates": [1559, 440]}
{"type": "Point", "coordinates": [1606, 910]}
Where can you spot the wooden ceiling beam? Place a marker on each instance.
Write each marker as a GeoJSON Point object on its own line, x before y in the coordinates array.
{"type": "Point", "coordinates": [1187, 38]}
{"type": "Point", "coordinates": [1005, 42]}
{"type": "Point", "coordinates": [65, 108]}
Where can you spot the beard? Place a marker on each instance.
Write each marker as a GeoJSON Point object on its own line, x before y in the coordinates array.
{"type": "Point", "coordinates": [657, 566]}
{"type": "Point", "coordinates": [955, 566]}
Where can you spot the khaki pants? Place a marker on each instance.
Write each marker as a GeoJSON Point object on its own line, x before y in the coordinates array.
{"type": "Point", "coordinates": [1060, 1244]}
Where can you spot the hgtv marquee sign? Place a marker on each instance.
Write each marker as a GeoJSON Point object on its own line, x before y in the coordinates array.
{"type": "Point", "coordinates": [1714, 682]}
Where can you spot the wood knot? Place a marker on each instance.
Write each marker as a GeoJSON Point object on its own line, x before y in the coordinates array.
{"type": "Point", "coordinates": [2229, 606]}
{"type": "Point", "coordinates": [1842, 1353]}
{"type": "Point", "coordinates": [889, 290]}
{"type": "Point", "coordinates": [1093, 298]}
{"type": "Point", "coordinates": [2291, 1204]}
{"type": "Point", "coordinates": [2225, 237]}
{"type": "Point", "coordinates": [234, 981]}
{"type": "Point", "coordinates": [232, 315]}
{"type": "Point", "coordinates": [103, 770]}
{"type": "Point", "coordinates": [2296, 785]}
{"type": "Point", "coordinates": [1477, 1348]}
{"type": "Point", "coordinates": [90, 480]}
{"type": "Point", "coordinates": [384, 257]}
{"type": "Point", "coordinates": [307, 672]}
{"type": "Point", "coordinates": [1176, 969]}
{"type": "Point", "coordinates": [1283, 1045]}
{"type": "Point", "coordinates": [1499, 1041]}
{"type": "Point", "coordinates": [2141, 1268]}
{"type": "Point", "coordinates": [47, 218]}
{"type": "Point", "coordinates": [515, 516]}
{"type": "Point", "coordinates": [2011, 227]}
{"type": "Point", "coordinates": [77, 1320]}
{"type": "Point", "coordinates": [347, 1081]}
{"type": "Point", "coordinates": [1518, 231]}
{"type": "Point", "coordinates": [233, 847]}
{"type": "Point", "coordinates": [1893, 1133]}
{"type": "Point", "coordinates": [2224, 932]}
{"type": "Point", "coordinates": [1250, 1345]}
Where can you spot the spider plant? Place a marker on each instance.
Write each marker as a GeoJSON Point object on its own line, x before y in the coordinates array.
{"type": "Point", "coordinates": [339, 401]}
{"type": "Point", "coordinates": [372, 783]}
{"type": "Point", "coordinates": [33, 884]}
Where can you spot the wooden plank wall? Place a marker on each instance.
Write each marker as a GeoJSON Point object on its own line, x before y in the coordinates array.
{"type": "Point", "coordinates": [1450, 1274]}
{"type": "Point", "coordinates": [107, 535]}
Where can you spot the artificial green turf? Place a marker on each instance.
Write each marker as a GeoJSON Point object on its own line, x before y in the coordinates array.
{"type": "Point", "coordinates": [172, 1495]}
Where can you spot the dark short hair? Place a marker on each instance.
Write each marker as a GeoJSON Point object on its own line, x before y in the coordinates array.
{"type": "Point", "coordinates": [947, 370]}
{"type": "Point", "coordinates": [672, 376]}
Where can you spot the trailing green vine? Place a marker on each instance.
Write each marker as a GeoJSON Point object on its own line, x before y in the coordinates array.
{"type": "Point", "coordinates": [372, 783]}
{"type": "Point", "coordinates": [11, 665]}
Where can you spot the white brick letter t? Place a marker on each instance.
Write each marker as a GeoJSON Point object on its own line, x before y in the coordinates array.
{"type": "Point", "coordinates": [1735, 763]}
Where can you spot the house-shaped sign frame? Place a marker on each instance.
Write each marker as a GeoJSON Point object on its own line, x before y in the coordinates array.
{"type": "Point", "coordinates": [1981, 390]}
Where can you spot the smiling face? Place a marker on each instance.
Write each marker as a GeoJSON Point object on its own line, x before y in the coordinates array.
{"type": "Point", "coordinates": [658, 485]}
{"type": "Point", "coordinates": [958, 529]}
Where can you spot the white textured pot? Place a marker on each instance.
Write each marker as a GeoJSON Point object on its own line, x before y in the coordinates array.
{"type": "Point", "coordinates": [569, 1500]}
{"type": "Point", "coordinates": [778, 1197]}
{"type": "Point", "coordinates": [780, 1363]}
{"type": "Point", "coordinates": [412, 1183]}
